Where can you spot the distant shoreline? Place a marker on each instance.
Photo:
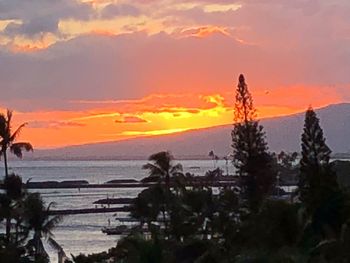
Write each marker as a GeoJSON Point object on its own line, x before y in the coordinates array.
{"type": "Point", "coordinates": [114, 158]}
{"type": "Point", "coordinates": [345, 156]}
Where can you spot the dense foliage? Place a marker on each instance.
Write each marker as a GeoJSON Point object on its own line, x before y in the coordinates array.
{"type": "Point", "coordinates": [249, 221]}
{"type": "Point", "coordinates": [25, 215]}
{"type": "Point", "coordinates": [27, 222]}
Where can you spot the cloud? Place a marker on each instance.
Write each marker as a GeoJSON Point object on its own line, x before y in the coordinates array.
{"type": "Point", "coordinates": [99, 68]}
{"type": "Point", "coordinates": [277, 44]}
{"type": "Point", "coordinates": [154, 104]}
{"type": "Point", "coordinates": [113, 10]}
{"type": "Point", "coordinates": [166, 64]}
{"type": "Point", "coordinates": [54, 124]}
{"type": "Point", "coordinates": [204, 31]}
{"type": "Point", "coordinates": [152, 132]}
{"type": "Point", "coordinates": [32, 27]}
{"type": "Point", "coordinates": [135, 65]}
{"type": "Point", "coordinates": [131, 119]}
{"type": "Point", "coordinates": [41, 16]}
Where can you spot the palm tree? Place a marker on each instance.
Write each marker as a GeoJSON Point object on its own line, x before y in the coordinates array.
{"type": "Point", "coordinates": [147, 205]}
{"type": "Point", "coordinates": [10, 206]}
{"type": "Point", "coordinates": [213, 157]}
{"type": "Point", "coordinates": [162, 167]}
{"type": "Point", "coordinates": [41, 223]}
{"type": "Point", "coordinates": [8, 139]}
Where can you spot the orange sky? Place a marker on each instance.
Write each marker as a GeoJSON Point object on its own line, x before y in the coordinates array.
{"type": "Point", "coordinates": [152, 115]}
{"type": "Point", "coordinates": [83, 71]}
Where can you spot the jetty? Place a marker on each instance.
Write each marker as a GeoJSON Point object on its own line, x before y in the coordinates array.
{"type": "Point", "coordinates": [114, 201]}
{"type": "Point", "coordinates": [90, 211]}
{"type": "Point", "coordinates": [224, 181]}
{"type": "Point", "coordinates": [126, 183]}
{"type": "Point", "coordinates": [124, 203]}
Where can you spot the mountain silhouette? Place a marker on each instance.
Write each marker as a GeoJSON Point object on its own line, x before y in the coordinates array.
{"type": "Point", "coordinates": [283, 133]}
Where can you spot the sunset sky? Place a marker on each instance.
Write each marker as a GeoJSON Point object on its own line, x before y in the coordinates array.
{"type": "Point", "coordinates": [100, 70]}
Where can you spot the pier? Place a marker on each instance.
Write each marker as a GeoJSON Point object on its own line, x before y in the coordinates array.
{"type": "Point", "coordinates": [81, 185]}
{"type": "Point", "coordinates": [90, 211]}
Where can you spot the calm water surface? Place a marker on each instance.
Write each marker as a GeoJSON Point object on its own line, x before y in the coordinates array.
{"type": "Point", "coordinates": [82, 233]}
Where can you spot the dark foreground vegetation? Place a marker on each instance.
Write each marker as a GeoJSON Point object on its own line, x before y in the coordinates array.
{"type": "Point", "coordinates": [247, 222]}
{"type": "Point", "coordinates": [25, 215]}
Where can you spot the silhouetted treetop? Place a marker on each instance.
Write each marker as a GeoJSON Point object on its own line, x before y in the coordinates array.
{"type": "Point", "coordinates": [244, 109]}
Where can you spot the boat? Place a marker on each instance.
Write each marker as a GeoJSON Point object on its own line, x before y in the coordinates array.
{"type": "Point", "coordinates": [117, 230]}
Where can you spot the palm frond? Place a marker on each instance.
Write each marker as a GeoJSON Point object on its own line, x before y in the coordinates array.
{"type": "Point", "coordinates": [30, 244]}
{"type": "Point", "coordinates": [51, 204]}
{"type": "Point", "coordinates": [17, 148]}
{"type": "Point", "coordinates": [28, 181]}
{"type": "Point", "coordinates": [24, 233]}
{"type": "Point", "coordinates": [162, 159]}
{"type": "Point", "coordinates": [53, 243]}
{"type": "Point", "coordinates": [154, 157]}
{"type": "Point", "coordinates": [177, 168]}
{"type": "Point", "coordinates": [51, 224]}
{"type": "Point", "coordinates": [154, 170]}
{"type": "Point", "coordinates": [9, 114]}
{"type": "Point", "coordinates": [15, 135]}
{"type": "Point", "coordinates": [2, 148]}
{"type": "Point", "coordinates": [2, 125]}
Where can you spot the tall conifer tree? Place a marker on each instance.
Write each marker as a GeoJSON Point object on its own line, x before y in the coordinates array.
{"type": "Point", "coordinates": [251, 159]}
{"type": "Point", "coordinates": [317, 182]}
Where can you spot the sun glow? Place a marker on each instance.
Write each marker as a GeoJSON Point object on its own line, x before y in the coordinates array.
{"type": "Point", "coordinates": [153, 133]}
{"type": "Point", "coordinates": [153, 115]}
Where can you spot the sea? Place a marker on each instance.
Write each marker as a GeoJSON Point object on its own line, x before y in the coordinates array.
{"type": "Point", "coordinates": [82, 233]}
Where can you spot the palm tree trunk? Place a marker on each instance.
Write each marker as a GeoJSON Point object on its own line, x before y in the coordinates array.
{"type": "Point", "coordinates": [166, 208]}
{"type": "Point", "coordinates": [16, 232]}
{"type": "Point", "coordinates": [8, 229]}
{"type": "Point", "coordinates": [8, 218]}
{"type": "Point", "coordinates": [165, 222]}
{"type": "Point", "coordinates": [5, 163]}
{"type": "Point", "coordinates": [38, 246]}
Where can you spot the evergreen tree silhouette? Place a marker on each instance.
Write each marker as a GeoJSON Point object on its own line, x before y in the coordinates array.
{"type": "Point", "coordinates": [252, 161]}
{"type": "Point", "coordinates": [317, 181]}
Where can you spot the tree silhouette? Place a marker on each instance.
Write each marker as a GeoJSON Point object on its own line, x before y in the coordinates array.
{"type": "Point", "coordinates": [250, 156]}
{"type": "Point", "coordinates": [318, 188]}
{"type": "Point", "coordinates": [10, 204]}
{"type": "Point", "coordinates": [161, 166]}
{"type": "Point", "coordinates": [41, 223]}
{"type": "Point", "coordinates": [8, 139]}
{"type": "Point", "coordinates": [317, 181]}
{"type": "Point", "coordinates": [147, 205]}
{"type": "Point", "coordinates": [214, 157]}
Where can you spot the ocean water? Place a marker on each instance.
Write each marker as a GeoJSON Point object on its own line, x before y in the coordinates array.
{"type": "Point", "coordinates": [82, 233]}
